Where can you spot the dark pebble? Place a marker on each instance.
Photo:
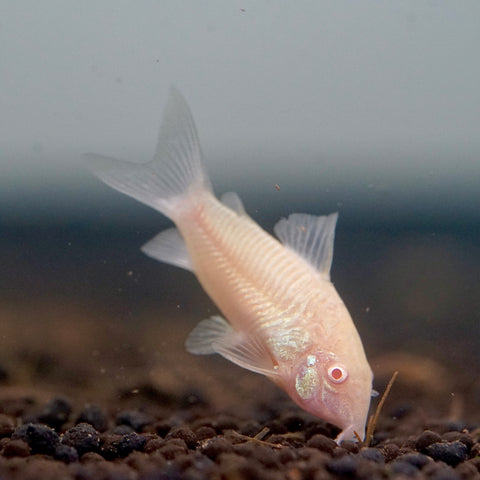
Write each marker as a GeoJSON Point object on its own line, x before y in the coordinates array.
{"type": "Point", "coordinates": [350, 446]}
{"type": "Point", "coordinates": [203, 433]}
{"type": "Point", "coordinates": [463, 437]}
{"type": "Point", "coordinates": [339, 452]}
{"type": "Point", "coordinates": [153, 444]}
{"type": "Point", "coordinates": [458, 426]}
{"type": "Point", "coordinates": [409, 445]}
{"type": "Point", "coordinates": [196, 461]}
{"type": "Point", "coordinates": [373, 454]}
{"type": "Point", "coordinates": [312, 454]}
{"type": "Point", "coordinates": [55, 413]}
{"type": "Point", "coordinates": [287, 455]}
{"type": "Point", "coordinates": [131, 442]}
{"type": "Point", "coordinates": [451, 453]}
{"type": "Point", "coordinates": [92, 457]}
{"type": "Point", "coordinates": [440, 471]}
{"type": "Point", "coordinates": [467, 470]}
{"type": "Point", "coordinates": [134, 418]}
{"type": "Point", "coordinates": [83, 437]}
{"type": "Point", "coordinates": [287, 440]}
{"type": "Point", "coordinates": [95, 416]}
{"type": "Point", "coordinates": [173, 448]}
{"type": "Point", "coordinates": [109, 445]}
{"type": "Point", "coordinates": [264, 455]}
{"type": "Point", "coordinates": [267, 456]}
{"type": "Point", "coordinates": [346, 465]}
{"type": "Point", "coordinates": [426, 439]}
{"type": "Point", "coordinates": [215, 446]}
{"type": "Point", "coordinates": [16, 448]}
{"type": "Point", "coordinates": [7, 425]}
{"type": "Point", "coordinates": [390, 451]}
{"type": "Point", "coordinates": [122, 430]}
{"type": "Point", "coordinates": [418, 460]}
{"type": "Point", "coordinates": [235, 466]}
{"type": "Point", "coordinates": [321, 442]}
{"type": "Point", "coordinates": [40, 438]}
{"type": "Point", "coordinates": [475, 451]}
{"type": "Point", "coordinates": [401, 467]}
{"type": "Point", "coordinates": [184, 433]}
{"type": "Point", "coordinates": [65, 454]}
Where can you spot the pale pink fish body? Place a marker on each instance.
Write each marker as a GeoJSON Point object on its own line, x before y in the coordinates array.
{"type": "Point", "coordinates": [285, 318]}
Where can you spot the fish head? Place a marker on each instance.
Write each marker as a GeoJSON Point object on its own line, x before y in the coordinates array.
{"type": "Point", "coordinates": [335, 390]}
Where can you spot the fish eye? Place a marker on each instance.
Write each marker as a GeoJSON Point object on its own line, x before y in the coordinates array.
{"type": "Point", "coordinates": [337, 373]}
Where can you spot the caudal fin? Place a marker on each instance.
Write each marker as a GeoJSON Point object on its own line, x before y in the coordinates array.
{"type": "Point", "coordinates": [175, 168]}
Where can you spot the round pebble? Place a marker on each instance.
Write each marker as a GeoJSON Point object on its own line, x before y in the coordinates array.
{"type": "Point", "coordinates": [95, 416]}
{"type": "Point", "coordinates": [129, 443]}
{"type": "Point", "coordinates": [343, 466]}
{"type": "Point", "coordinates": [65, 453]}
{"type": "Point", "coordinates": [452, 453]}
{"type": "Point", "coordinates": [55, 413]}
{"type": "Point", "coordinates": [134, 419]}
{"type": "Point", "coordinates": [321, 442]}
{"type": "Point", "coordinates": [184, 433]}
{"type": "Point", "coordinates": [16, 448]}
{"type": "Point", "coordinates": [373, 454]}
{"type": "Point", "coordinates": [418, 460]}
{"type": "Point", "coordinates": [83, 437]}
{"type": "Point", "coordinates": [215, 446]}
{"type": "Point", "coordinates": [40, 438]}
{"type": "Point", "coordinates": [402, 467]}
{"type": "Point", "coordinates": [426, 439]}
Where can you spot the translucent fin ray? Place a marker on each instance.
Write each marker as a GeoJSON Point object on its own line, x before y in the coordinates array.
{"type": "Point", "coordinates": [215, 335]}
{"type": "Point", "coordinates": [169, 247]}
{"type": "Point", "coordinates": [311, 237]}
{"type": "Point", "coordinates": [233, 202]}
{"type": "Point", "coordinates": [175, 168]}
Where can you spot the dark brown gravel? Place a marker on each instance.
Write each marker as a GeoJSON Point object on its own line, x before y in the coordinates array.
{"type": "Point", "coordinates": [166, 416]}
{"type": "Point", "coordinates": [200, 444]}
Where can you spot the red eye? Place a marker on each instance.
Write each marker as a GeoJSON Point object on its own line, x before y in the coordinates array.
{"type": "Point", "coordinates": [337, 374]}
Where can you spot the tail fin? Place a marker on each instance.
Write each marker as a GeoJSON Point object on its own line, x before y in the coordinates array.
{"type": "Point", "coordinates": [175, 168]}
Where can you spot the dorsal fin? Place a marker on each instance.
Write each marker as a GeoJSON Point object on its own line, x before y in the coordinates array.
{"type": "Point", "coordinates": [311, 237]}
{"type": "Point", "coordinates": [233, 202]}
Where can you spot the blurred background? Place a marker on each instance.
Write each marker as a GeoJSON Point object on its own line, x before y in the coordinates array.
{"type": "Point", "coordinates": [368, 108]}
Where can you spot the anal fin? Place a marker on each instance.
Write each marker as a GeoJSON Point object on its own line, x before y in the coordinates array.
{"type": "Point", "coordinates": [233, 202]}
{"type": "Point", "coordinates": [169, 247]}
{"type": "Point", "coordinates": [215, 335]}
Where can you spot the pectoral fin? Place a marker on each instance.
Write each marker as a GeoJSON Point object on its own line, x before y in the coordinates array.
{"type": "Point", "coordinates": [215, 335]}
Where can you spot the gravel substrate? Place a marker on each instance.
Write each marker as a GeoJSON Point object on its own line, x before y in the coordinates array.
{"type": "Point", "coordinates": [84, 398]}
{"type": "Point", "coordinates": [188, 439]}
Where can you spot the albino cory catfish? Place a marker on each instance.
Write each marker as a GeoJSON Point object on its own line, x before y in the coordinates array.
{"type": "Point", "coordinates": [284, 317]}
